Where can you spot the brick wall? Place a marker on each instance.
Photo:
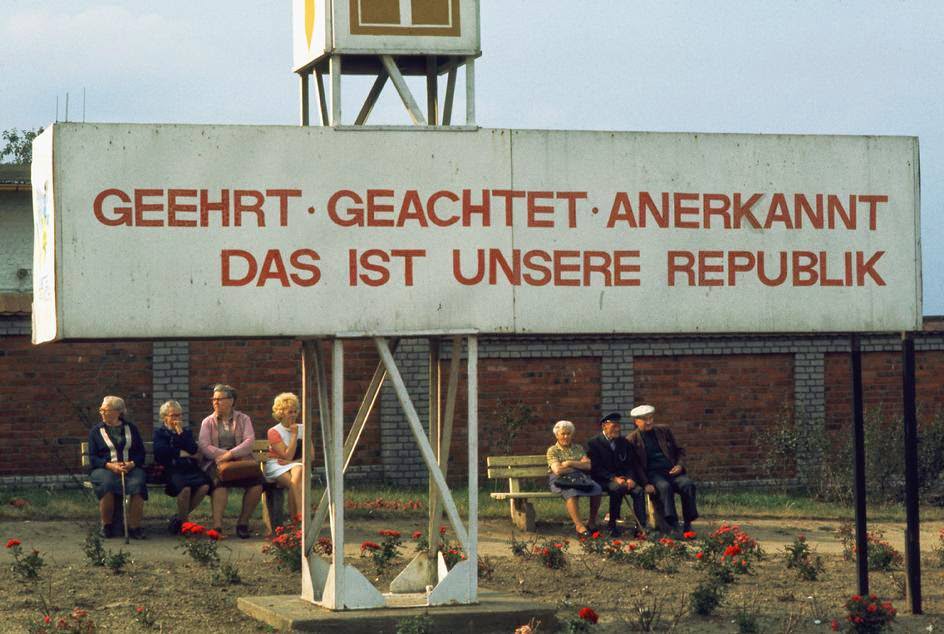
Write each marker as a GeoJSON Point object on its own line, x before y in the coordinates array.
{"type": "Point", "coordinates": [718, 392]}
{"type": "Point", "coordinates": [717, 405]}
{"type": "Point", "coordinates": [54, 390]}
{"type": "Point", "coordinates": [530, 396]}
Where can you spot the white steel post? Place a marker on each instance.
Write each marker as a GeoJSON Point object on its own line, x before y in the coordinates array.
{"type": "Point", "coordinates": [337, 471]}
{"type": "Point", "coordinates": [473, 457]}
{"type": "Point", "coordinates": [469, 91]}
{"type": "Point", "coordinates": [335, 70]}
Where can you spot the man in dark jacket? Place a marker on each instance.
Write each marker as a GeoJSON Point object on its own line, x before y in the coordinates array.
{"type": "Point", "coordinates": [662, 466]}
{"type": "Point", "coordinates": [613, 466]}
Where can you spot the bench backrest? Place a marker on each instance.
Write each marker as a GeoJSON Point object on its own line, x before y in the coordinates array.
{"type": "Point", "coordinates": [517, 466]}
{"type": "Point", "coordinates": [260, 451]}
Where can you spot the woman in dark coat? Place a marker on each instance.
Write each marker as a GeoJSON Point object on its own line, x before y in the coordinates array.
{"type": "Point", "coordinates": [186, 481]}
{"type": "Point", "coordinates": [115, 448]}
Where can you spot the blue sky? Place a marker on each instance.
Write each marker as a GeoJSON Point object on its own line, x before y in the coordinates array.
{"type": "Point", "coordinates": [824, 67]}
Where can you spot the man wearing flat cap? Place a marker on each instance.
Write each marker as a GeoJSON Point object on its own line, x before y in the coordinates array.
{"type": "Point", "coordinates": [613, 467]}
{"type": "Point", "coordinates": [662, 466]}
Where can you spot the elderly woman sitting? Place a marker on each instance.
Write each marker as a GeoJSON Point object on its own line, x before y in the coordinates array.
{"type": "Point", "coordinates": [285, 450]}
{"type": "Point", "coordinates": [116, 457]}
{"type": "Point", "coordinates": [227, 436]}
{"type": "Point", "coordinates": [569, 466]}
{"type": "Point", "coordinates": [186, 481]}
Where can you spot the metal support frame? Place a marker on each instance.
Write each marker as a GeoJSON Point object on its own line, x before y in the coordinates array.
{"type": "Point", "coordinates": [340, 586]}
{"type": "Point", "coordinates": [858, 446]}
{"type": "Point", "coordinates": [403, 90]}
{"type": "Point", "coordinates": [437, 113]}
{"type": "Point", "coordinates": [912, 525]}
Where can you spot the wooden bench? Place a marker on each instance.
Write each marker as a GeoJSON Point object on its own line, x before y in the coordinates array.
{"type": "Point", "coordinates": [517, 468]}
{"type": "Point", "coordinates": [273, 497]}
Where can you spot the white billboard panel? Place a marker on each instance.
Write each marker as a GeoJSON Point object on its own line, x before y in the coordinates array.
{"type": "Point", "coordinates": [406, 27]}
{"type": "Point", "coordinates": [207, 231]}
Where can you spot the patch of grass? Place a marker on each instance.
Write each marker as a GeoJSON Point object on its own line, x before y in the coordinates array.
{"type": "Point", "coordinates": [80, 504]}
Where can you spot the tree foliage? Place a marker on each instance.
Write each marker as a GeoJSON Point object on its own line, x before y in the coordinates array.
{"type": "Point", "coordinates": [18, 146]}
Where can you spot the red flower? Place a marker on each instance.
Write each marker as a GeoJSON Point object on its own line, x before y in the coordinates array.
{"type": "Point", "coordinates": [617, 543]}
{"type": "Point", "coordinates": [389, 533]}
{"type": "Point", "coordinates": [731, 551]}
{"type": "Point", "coordinates": [417, 534]}
{"type": "Point", "coordinates": [873, 597]}
{"type": "Point", "coordinates": [442, 530]}
{"type": "Point", "coordinates": [856, 598]}
{"type": "Point", "coordinates": [596, 535]}
{"type": "Point", "coordinates": [139, 609]}
{"type": "Point", "coordinates": [196, 529]}
{"type": "Point", "coordinates": [699, 555]}
{"type": "Point", "coordinates": [558, 546]}
{"type": "Point", "coordinates": [546, 552]}
{"type": "Point", "coordinates": [369, 546]}
{"type": "Point", "coordinates": [834, 626]}
{"type": "Point", "coordinates": [12, 543]}
{"type": "Point", "coordinates": [872, 607]}
{"type": "Point", "coordinates": [212, 534]}
{"type": "Point", "coordinates": [632, 546]}
{"type": "Point", "coordinates": [689, 534]}
{"type": "Point", "coordinates": [47, 619]}
{"type": "Point", "coordinates": [587, 614]}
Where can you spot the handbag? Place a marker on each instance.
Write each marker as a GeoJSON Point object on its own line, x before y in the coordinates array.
{"type": "Point", "coordinates": [575, 480]}
{"type": "Point", "coordinates": [238, 470]}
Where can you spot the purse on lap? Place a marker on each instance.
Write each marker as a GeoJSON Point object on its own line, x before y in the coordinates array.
{"type": "Point", "coordinates": [575, 480]}
{"type": "Point", "coordinates": [246, 470]}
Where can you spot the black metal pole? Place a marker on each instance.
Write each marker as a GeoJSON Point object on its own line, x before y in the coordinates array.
{"type": "Point", "coordinates": [858, 444]}
{"type": "Point", "coordinates": [912, 526]}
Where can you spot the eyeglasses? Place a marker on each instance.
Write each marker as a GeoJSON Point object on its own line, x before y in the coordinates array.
{"type": "Point", "coordinates": [102, 410]}
{"type": "Point", "coordinates": [177, 415]}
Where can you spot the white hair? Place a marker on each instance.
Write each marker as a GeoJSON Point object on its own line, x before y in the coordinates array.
{"type": "Point", "coordinates": [114, 402]}
{"type": "Point", "coordinates": [564, 424]}
{"type": "Point", "coordinates": [167, 407]}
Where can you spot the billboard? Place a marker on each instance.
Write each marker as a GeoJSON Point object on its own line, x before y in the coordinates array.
{"type": "Point", "coordinates": [251, 231]}
{"type": "Point", "coordinates": [408, 27]}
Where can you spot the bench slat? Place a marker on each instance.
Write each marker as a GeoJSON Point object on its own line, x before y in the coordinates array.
{"type": "Point", "coordinates": [523, 495]}
{"type": "Point", "coordinates": [516, 461]}
{"type": "Point", "coordinates": [518, 472]}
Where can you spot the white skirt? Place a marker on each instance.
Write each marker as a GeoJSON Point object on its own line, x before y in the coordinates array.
{"type": "Point", "coordinates": [273, 469]}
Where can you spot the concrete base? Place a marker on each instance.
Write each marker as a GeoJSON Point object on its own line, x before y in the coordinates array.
{"type": "Point", "coordinates": [495, 612]}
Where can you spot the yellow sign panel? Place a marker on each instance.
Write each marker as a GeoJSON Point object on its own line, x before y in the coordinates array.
{"type": "Point", "coordinates": [309, 20]}
{"type": "Point", "coordinates": [405, 17]}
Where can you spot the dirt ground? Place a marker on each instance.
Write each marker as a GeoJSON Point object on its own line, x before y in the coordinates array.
{"type": "Point", "coordinates": [181, 597]}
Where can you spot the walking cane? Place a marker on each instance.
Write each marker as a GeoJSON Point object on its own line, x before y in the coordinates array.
{"type": "Point", "coordinates": [124, 506]}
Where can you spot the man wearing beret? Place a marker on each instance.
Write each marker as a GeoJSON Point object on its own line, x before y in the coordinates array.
{"type": "Point", "coordinates": [613, 467]}
{"type": "Point", "coordinates": [662, 466]}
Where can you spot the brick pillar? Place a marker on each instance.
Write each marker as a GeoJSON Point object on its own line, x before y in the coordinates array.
{"type": "Point", "coordinates": [171, 375]}
{"type": "Point", "coordinates": [809, 410]}
{"type": "Point", "coordinates": [402, 462]}
{"type": "Point", "coordinates": [616, 378]}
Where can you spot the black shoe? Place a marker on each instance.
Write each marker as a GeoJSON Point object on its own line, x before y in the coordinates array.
{"type": "Point", "coordinates": [615, 531]}
{"type": "Point", "coordinates": [243, 531]}
{"type": "Point", "coordinates": [136, 533]}
{"type": "Point", "coordinates": [687, 527]}
{"type": "Point", "coordinates": [105, 531]}
{"type": "Point", "coordinates": [173, 526]}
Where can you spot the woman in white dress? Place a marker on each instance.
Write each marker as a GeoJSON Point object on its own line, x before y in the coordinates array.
{"type": "Point", "coordinates": [284, 466]}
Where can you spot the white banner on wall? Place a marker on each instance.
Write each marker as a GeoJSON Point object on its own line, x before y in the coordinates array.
{"type": "Point", "coordinates": [210, 231]}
